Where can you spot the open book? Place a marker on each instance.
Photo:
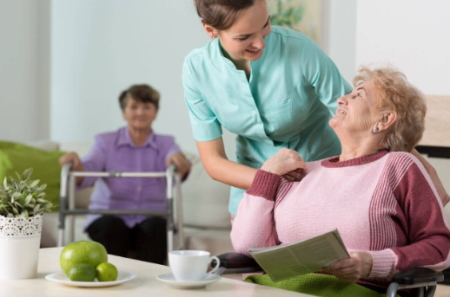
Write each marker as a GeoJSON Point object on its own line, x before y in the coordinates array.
{"type": "Point", "coordinates": [301, 257]}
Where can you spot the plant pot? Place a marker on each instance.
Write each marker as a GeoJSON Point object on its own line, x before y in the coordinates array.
{"type": "Point", "coordinates": [19, 246]}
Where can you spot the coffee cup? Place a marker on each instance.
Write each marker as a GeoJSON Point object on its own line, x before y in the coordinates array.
{"type": "Point", "coordinates": [190, 266]}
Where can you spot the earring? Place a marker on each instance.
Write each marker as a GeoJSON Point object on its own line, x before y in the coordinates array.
{"type": "Point", "coordinates": [375, 130]}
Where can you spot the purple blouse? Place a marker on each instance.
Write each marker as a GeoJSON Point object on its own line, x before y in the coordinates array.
{"type": "Point", "coordinates": [115, 151]}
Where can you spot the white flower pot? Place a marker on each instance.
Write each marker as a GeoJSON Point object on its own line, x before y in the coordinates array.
{"type": "Point", "coordinates": [19, 246]}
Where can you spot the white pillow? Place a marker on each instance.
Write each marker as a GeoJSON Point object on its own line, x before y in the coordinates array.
{"type": "Point", "coordinates": [205, 201]}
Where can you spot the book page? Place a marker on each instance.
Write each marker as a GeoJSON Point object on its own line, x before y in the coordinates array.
{"type": "Point", "coordinates": [306, 256]}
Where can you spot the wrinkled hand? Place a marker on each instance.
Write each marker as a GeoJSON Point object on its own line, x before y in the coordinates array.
{"type": "Point", "coordinates": [73, 157]}
{"type": "Point", "coordinates": [286, 163]}
{"type": "Point", "coordinates": [77, 165]}
{"type": "Point", "coordinates": [183, 166]}
{"type": "Point", "coordinates": [358, 266]}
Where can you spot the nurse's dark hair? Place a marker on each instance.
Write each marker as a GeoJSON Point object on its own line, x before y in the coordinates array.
{"type": "Point", "coordinates": [141, 93]}
{"type": "Point", "coordinates": [221, 14]}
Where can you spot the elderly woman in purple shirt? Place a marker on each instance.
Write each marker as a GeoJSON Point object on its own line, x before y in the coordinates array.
{"type": "Point", "coordinates": [138, 148]}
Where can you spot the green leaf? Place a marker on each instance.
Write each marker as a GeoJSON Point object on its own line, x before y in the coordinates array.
{"type": "Point", "coordinates": [14, 209]}
{"type": "Point", "coordinates": [298, 14]}
{"type": "Point", "coordinates": [25, 213]}
{"type": "Point", "coordinates": [48, 207]}
{"type": "Point", "coordinates": [34, 183]}
{"type": "Point", "coordinates": [23, 196]}
{"type": "Point", "coordinates": [288, 12]}
{"type": "Point", "coordinates": [28, 200]}
{"type": "Point", "coordinates": [27, 173]}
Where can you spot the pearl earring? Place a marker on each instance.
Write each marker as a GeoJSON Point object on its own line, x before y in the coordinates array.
{"type": "Point", "coordinates": [375, 130]}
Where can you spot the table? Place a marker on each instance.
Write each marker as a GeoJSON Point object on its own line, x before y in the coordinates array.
{"type": "Point", "coordinates": [145, 284]}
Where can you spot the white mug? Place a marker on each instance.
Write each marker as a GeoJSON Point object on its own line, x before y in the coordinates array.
{"type": "Point", "coordinates": [189, 266]}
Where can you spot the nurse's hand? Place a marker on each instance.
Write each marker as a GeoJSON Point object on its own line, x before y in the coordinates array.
{"type": "Point", "coordinates": [286, 163]}
{"type": "Point", "coordinates": [295, 175]}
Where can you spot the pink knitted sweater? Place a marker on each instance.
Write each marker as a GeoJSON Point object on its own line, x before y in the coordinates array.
{"type": "Point", "coordinates": [384, 203]}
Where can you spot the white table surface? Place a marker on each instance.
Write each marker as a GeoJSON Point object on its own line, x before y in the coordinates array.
{"type": "Point", "coordinates": [145, 284]}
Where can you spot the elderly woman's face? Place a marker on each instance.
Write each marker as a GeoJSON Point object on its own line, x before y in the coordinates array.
{"type": "Point", "coordinates": [139, 115]}
{"type": "Point", "coordinates": [356, 111]}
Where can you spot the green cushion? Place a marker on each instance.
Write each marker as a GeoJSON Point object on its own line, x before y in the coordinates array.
{"type": "Point", "coordinates": [18, 157]}
{"type": "Point", "coordinates": [316, 284]}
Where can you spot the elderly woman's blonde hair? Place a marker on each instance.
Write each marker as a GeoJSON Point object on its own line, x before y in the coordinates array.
{"type": "Point", "coordinates": [395, 93]}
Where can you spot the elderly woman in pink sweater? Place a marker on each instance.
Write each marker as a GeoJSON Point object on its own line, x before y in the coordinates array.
{"type": "Point", "coordinates": [376, 193]}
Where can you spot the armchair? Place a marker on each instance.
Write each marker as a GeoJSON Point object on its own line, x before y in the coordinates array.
{"type": "Point", "coordinates": [421, 281]}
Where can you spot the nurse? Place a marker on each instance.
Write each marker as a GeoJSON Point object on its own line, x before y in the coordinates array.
{"type": "Point", "coordinates": [271, 86]}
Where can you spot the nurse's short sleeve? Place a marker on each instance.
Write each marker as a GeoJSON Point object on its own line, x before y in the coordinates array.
{"type": "Point", "coordinates": [205, 125]}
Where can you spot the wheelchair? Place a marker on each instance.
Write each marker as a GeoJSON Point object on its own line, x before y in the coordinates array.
{"type": "Point", "coordinates": [420, 281]}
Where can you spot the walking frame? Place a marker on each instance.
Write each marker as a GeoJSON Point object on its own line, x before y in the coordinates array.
{"type": "Point", "coordinates": [173, 213]}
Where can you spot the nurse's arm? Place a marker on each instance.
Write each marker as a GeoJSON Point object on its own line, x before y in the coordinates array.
{"type": "Point", "coordinates": [216, 163]}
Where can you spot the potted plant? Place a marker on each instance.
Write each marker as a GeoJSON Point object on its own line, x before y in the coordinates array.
{"type": "Point", "coordinates": [22, 204]}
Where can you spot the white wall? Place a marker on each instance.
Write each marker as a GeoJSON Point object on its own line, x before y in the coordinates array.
{"type": "Point", "coordinates": [24, 57]}
{"type": "Point", "coordinates": [412, 35]}
{"type": "Point", "coordinates": [341, 31]}
{"type": "Point", "coordinates": [100, 47]}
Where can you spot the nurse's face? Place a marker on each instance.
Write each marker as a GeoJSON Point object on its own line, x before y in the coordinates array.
{"type": "Point", "coordinates": [244, 40]}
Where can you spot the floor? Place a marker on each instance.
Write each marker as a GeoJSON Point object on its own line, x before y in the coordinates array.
{"type": "Point", "coordinates": [442, 291]}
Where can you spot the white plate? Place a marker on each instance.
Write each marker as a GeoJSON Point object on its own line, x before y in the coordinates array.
{"type": "Point", "coordinates": [170, 279]}
{"type": "Point", "coordinates": [61, 277]}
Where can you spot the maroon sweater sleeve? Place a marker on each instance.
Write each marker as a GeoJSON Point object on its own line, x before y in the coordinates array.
{"type": "Point", "coordinates": [264, 185]}
{"type": "Point", "coordinates": [421, 223]}
{"type": "Point", "coordinates": [254, 224]}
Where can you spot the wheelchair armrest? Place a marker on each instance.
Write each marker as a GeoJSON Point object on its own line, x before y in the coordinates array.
{"type": "Point", "coordinates": [416, 275]}
{"type": "Point", "coordinates": [236, 263]}
{"type": "Point", "coordinates": [236, 260]}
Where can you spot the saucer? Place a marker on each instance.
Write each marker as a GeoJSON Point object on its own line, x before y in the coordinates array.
{"type": "Point", "coordinates": [170, 280]}
{"type": "Point", "coordinates": [61, 277]}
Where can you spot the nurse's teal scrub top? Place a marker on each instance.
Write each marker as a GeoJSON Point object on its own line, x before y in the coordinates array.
{"type": "Point", "coordinates": [287, 101]}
